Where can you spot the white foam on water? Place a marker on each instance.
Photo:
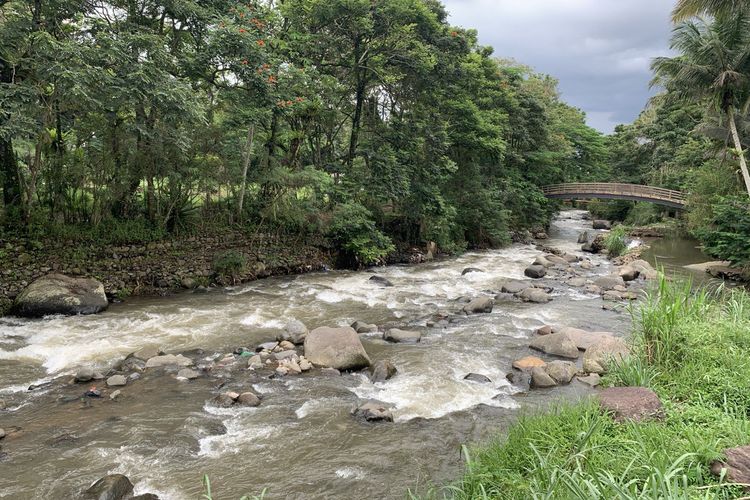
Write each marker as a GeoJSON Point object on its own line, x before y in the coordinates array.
{"type": "Point", "coordinates": [243, 433]}
{"type": "Point", "coordinates": [317, 405]}
{"type": "Point", "coordinates": [351, 473]}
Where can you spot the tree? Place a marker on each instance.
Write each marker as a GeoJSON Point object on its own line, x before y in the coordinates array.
{"type": "Point", "coordinates": [686, 9]}
{"type": "Point", "coordinates": [713, 66]}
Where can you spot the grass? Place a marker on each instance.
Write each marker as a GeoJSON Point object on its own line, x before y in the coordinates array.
{"type": "Point", "coordinates": [615, 241]}
{"type": "Point", "coordinates": [690, 346]}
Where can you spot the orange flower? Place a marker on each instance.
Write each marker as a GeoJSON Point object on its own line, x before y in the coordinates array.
{"type": "Point", "coordinates": [261, 43]}
{"type": "Point", "coordinates": [271, 79]}
{"type": "Point", "coordinates": [243, 30]}
{"type": "Point", "coordinates": [454, 34]}
{"type": "Point", "coordinates": [300, 99]}
{"type": "Point", "coordinates": [244, 61]}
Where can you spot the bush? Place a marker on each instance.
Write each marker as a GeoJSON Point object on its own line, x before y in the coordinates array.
{"type": "Point", "coordinates": [727, 235]}
{"type": "Point", "coordinates": [353, 229]}
{"type": "Point", "coordinates": [230, 264]}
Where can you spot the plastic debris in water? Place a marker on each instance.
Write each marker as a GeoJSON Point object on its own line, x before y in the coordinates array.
{"type": "Point", "coordinates": [93, 392]}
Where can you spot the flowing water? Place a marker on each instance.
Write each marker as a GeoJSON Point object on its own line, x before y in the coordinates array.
{"type": "Point", "coordinates": [301, 442]}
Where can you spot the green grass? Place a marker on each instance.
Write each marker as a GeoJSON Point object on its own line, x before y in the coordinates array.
{"type": "Point", "coordinates": [690, 346]}
{"type": "Point", "coordinates": [615, 241]}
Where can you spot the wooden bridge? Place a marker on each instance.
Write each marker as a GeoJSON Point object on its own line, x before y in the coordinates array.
{"type": "Point", "coordinates": [616, 191]}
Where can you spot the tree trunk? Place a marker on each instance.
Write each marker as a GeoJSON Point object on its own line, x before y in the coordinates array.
{"type": "Point", "coordinates": [245, 166]}
{"type": "Point", "coordinates": [359, 95]}
{"type": "Point", "coordinates": [738, 147]}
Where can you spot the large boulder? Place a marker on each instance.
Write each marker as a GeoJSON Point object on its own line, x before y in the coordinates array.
{"type": "Point", "coordinates": [601, 224]}
{"type": "Point", "coordinates": [583, 237]}
{"type": "Point", "coordinates": [629, 273]}
{"type": "Point", "coordinates": [381, 280]}
{"type": "Point", "coordinates": [644, 269]}
{"type": "Point", "coordinates": [362, 327]}
{"type": "Point", "coordinates": [479, 305]}
{"type": "Point", "coordinates": [540, 378]}
{"type": "Point", "coordinates": [736, 465]}
{"type": "Point", "coordinates": [169, 360]}
{"type": "Point", "coordinates": [542, 261]}
{"type": "Point", "coordinates": [471, 270]}
{"type": "Point", "coordinates": [598, 357]}
{"type": "Point", "coordinates": [113, 487]}
{"type": "Point", "coordinates": [295, 332]}
{"type": "Point", "coordinates": [402, 336]}
{"type": "Point", "coordinates": [556, 344]}
{"type": "Point", "coordinates": [527, 363]}
{"type": "Point", "coordinates": [60, 294]}
{"type": "Point", "coordinates": [630, 403]}
{"type": "Point", "coordinates": [536, 295]}
{"type": "Point", "coordinates": [338, 348]}
{"type": "Point", "coordinates": [535, 271]}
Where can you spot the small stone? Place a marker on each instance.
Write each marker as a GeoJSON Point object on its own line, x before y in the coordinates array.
{"type": "Point", "coordinates": [168, 360]}
{"type": "Point", "coordinates": [737, 465]}
{"type": "Point", "coordinates": [525, 364]}
{"type": "Point", "coordinates": [255, 362]}
{"type": "Point", "coordinates": [294, 332]}
{"type": "Point", "coordinates": [282, 370]}
{"type": "Point", "coordinates": [479, 305]}
{"type": "Point", "coordinates": [115, 394]}
{"type": "Point", "coordinates": [84, 375]}
{"type": "Point", "coordinates": [330, 372]}
{"type": "Point", "coordinates": [544, 330]}
{"type": "Point", "coordinates": [248, 399]}
{"type": "Point", "coordinates": [521, 380]}
{"type": "Point", "coordinates": [382, 370]}
{"type": "Point", "coordinates": [471, 270]}
{"type": "Point", "coordinates": [362, 327]}
{"type": "Point", "coordinates": [288, 354]}
{"type": "Point", "coordinates": [557, 344]}
{"type": "Point", "coordinates": [98, 376]}
{"type": "Point", "coordinates": [2, 433]}
{"type": "Point", "coordinates": [224, 400]}
{"type": "Point", "coordinates": [286, 345]}
{"type": "Point", "coordinates": [373, 411]}
{"type": "Point", "coordinates": [592, 379]}
{"type": "Point", "coordinates": [293, 366]}
{"type": "Point", "coordinates": [478, 377]}
{"type": "Point", "coordinates": [305, 365]}
{"type": "Point", "coordinates": [134, 376]}
{"type": "Point", "coordinates": [116, 381]}
{"type": "Point", "coordinates": [147, 352]}
{"type": "Point", "coordinates": [540, 379]}
{"type": "Point", "coordinates": [535, 271]}
{"type": "Point", "coordinates": [402, 336]}
{"type": "Point", "coordinates": [188, 374]}
{"type": "Point", "coordinates": [561, 372]}
{"type": "Point", "coordinates": [535, 295]}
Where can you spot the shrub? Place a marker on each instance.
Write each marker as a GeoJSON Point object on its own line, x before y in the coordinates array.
{"type": "Point", "coordinates": [727, 235]}
{"type": "Point", "coordinates": [230, 264]}
{"type": "Point", "coordinates": [353, 229]}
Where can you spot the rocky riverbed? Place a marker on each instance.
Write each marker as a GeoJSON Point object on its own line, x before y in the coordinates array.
{"type": "Point", "coordinates": [325, 385]}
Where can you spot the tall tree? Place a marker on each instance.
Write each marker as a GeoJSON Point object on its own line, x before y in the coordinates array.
{"type": "Point", "coordinates": [686, 9]}
{"type": "Point", "coordinates": [713, 66]}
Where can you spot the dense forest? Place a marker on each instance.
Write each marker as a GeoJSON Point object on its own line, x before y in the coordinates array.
{"type": "Point", "coordinates": [692, 135]}
{"type": "Point", "coordinates": [371, 123]}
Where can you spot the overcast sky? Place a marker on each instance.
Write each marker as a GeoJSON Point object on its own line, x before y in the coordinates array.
{"type": "Point", "coordinates": [599, 50]}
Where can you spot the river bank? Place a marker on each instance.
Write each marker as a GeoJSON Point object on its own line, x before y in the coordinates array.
{"type": "Point", "coordinates": [175, 425]}
{"type": "Point", "coordinates": [690, 350]}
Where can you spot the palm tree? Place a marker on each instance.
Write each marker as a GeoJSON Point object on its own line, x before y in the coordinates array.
{"type": "Point", "coordinates": [713, 67]}
{"type": "Point", "coordinates": [686, 9]}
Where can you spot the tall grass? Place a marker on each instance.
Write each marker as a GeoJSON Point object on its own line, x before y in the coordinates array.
{"type": "Point", "coordinates": [615, 242]}
{"type": "Point", "coordinates": [692, 346]}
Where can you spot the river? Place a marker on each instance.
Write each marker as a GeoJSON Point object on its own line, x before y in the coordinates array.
{"type": "Point", "coordinates": [301, 442]}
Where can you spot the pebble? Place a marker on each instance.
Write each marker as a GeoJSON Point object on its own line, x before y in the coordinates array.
{"type": "Point", "coordinates": [2, 433]}
{"type": "Point", "coordinates": [115, 394]}
{"type": "Point", "coordinates": [116, 381]}
{"type": "Point", "coordinates": [305, 365]}
{"type": "Point", "coordinates": [248, 399]}
{"type": "Point", "coordinates": [84, 375]}
{"type": "Point", "coordinates": [188, 374]}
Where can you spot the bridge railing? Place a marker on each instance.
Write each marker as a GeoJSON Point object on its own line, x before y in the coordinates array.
{"type": "Point", "coordinates": [615, 189]}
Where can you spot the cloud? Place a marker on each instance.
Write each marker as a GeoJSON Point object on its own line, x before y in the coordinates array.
{"type": "Point", "coordinates": [599, 50]}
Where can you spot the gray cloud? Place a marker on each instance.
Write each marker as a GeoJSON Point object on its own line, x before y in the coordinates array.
{"type": "Point", "coordinates": [600, 50]}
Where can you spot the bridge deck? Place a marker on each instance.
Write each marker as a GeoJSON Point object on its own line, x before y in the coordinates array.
{"type": "Point", "coordinates": [620, 191]}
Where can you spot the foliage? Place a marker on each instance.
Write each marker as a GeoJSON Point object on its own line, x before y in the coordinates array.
{"type": "Point", "coordinates": [190, 115]}
{"type": "Point", "coordinates": [615, 241]}
{"type": "Point", "coordinates": [727, 233]}
{"type": "Point", "coordinates": [352, 226]}
{"type": "Point", "coordinates": [230, 264]}
{"type": "Point", "coordinates": [693, 348]}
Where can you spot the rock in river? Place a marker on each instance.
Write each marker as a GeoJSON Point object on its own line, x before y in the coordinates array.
{"type": "Point", "coordinates": [380, 280]}
{"type": "Point", "coordinates": [113, 487]}
{"type": "Point", "coordinates": [557, 344]}
{"type": "Point", "coordinates": [295, 332]}
{"type": "Point", "coordinates": [597, 358]}
{"type": "Point", "coordinates": [362, 327]}
{"type": "Point", "coordinates": [602, 224]}
{"type": "Point", "coordinates": [478, 377]}
{"type": "Point", "coordinates": [561, 372]}
{"type": "Point", "coordinates": [540, 379]}
{"type": "Point", "coordinates": [535, 271]}
{"type": "Point", "coordinates": [60, 294]}
{"type": "Point", "coordinates": [527, 363]}
{"type": "Point", "coordinates": [338, 348]}
{"type": "Point", "coordinates": [373, 411]}
{"type": "Point", "coordinates": [514, 286]}
{"type": "Point", "coordinates": [248, 399]}
{"type": "Point", "coordinates": [479, 305]}
{"type": "Point", "coordinates": [382, 370]}
{"type": "Point", "coordinates": [116, 381]}
{"type": "Point", "coordinates": [84, 374]}
{"type": "Point", "coordinates": [535, 295]}
{"type": "Point", "coordinates": [168, 360]}
{"type": "Point", "coordinates": [471, 270]}
{"type": "Point", "coordinates": [402, 336]}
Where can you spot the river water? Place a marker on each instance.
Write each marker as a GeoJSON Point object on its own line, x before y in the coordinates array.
{"type": "Point", "coordinates": [301, 442]}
